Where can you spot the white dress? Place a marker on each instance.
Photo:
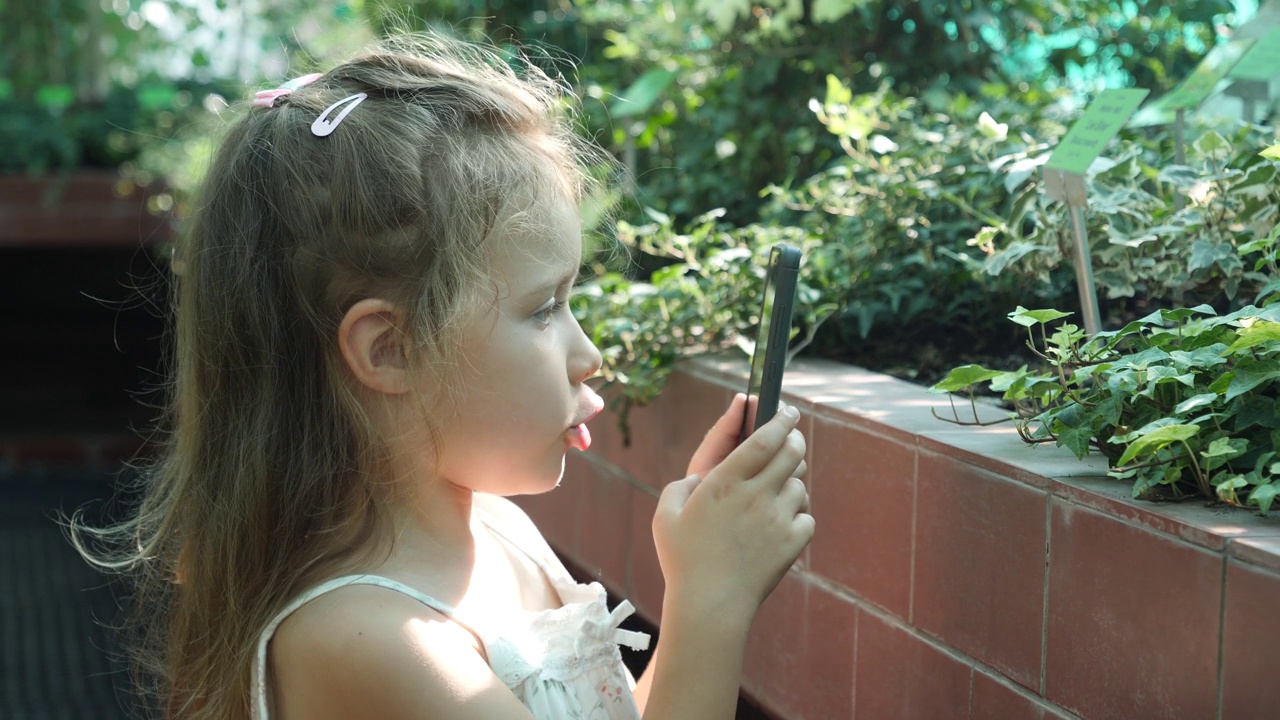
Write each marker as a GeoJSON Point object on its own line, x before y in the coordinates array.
{"type": "Point", "coordinates": [563, 664]}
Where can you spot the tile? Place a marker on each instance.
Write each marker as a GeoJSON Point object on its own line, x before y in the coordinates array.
{"type": "Point", "coordinates": [1250, 643]}
{"type": "Point", "coordinates": [999, 448]}
{"type": "Point", "coordinates": [691, 406]}
{"type": "Point", "coordinates": [980, 565]}
{"type": "Point", "coordinates": [861, 488]}
{"type": "Point", "coordinates": [827, 692]}
{"type": "Point", "coordinates": [773, 669]}
{"type": "Point", "coordinates": [900, 676]}
{"type": "Point", "coordinates": [639, 450]}
{"type": "Point", "coordinates": [1133, 620]}
{"type": "Point", "coordinates": [996, 700]}
{"type": "Point", "coordinates": [604, 541]}
{"type": "Point", "coordinates": [1259, 551]}
{"type": "Point", "coordinates": [644, 575]}
{"type": "Point", "coordinates": [1193, 520]}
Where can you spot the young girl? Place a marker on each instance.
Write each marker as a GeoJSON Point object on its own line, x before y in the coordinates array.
{"type": "Point", "coordinates": [373, 351]}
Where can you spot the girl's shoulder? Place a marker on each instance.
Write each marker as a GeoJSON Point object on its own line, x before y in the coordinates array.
{"type": "Point", "coordinates": [368, 651]}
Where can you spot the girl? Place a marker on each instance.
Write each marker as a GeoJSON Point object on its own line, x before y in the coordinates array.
{"type": "Point", "coordinates": [372, 351]}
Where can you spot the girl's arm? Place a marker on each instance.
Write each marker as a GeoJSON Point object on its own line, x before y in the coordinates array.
{"type": "Point", "coordinates": [724, 543]}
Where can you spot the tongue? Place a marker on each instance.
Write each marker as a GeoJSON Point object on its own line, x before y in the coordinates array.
{"type": "Point", "coordinates": [580, 437]}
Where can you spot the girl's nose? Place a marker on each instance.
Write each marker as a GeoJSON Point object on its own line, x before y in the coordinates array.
{"type": "Point", "coordinates": [585, 359]}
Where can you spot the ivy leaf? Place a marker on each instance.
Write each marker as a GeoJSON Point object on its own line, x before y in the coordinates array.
{"type": "Point", "coordinates": [1256, 410]}
{"type": "Point", "coordinates": [964, 376]}
{"type": "Point", "coordinates": [1076, 439]}
{"type": "Point", "coordinates": [1258, 333]}
{"type": "Point", "coordinates": [1030, 318]}
{"type": "Point", "coordinates": [1157, 439]}
{"type": "Point", "coordinates": [1248, 377]}
{"type": "Point", "coordinates": [1192, 403]}
{"type": "Point", "coordinates": [1212, 144]}
{"type": "Point", "coordinates": [1263, 496]}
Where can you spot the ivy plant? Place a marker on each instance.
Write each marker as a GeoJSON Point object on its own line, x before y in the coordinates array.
{"type": "Point", "coordinates": [1182, 402]}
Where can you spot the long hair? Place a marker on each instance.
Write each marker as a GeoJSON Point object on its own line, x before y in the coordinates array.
{"type": "Point", "coordinates": [268, 479]}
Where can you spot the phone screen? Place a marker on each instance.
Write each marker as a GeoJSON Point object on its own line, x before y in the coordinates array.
{"type": "Point", "coordinates": [764, 386]}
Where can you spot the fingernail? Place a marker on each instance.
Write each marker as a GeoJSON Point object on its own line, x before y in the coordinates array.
{"type": "Point", "coordinates": [791, 412]}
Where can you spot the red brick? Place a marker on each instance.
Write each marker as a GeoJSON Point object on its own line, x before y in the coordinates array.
{"type": "Point", "coordinates": [861, 487]}
{"type": "Point", "coordinates": [827, 682]}
{"type": "Point", "coordinates": [995, 700]}
{"type": "Point", "coordinates": [1208, 527]}
{"type": "Point", "coordinates": [980, 564]}
{"type": "Point", "coordinates": [1133, 620]}
{"type": "Point", "coordinates": [899, 676]}
{"type": "Point", "coordinates": [774, 668]}
{"type": "Point", "coordinates": [1250, 643]}
{"type": "Point", "coordinates": [642, 450]}
{"type": "Point", "coordinates": [644, 574]}
{"type": "Point", "coordinates": [690, 405]}
{"type": "Point", "coordinates": [604, 543]}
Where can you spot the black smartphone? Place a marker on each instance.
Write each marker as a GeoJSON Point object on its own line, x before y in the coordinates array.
{"type": "Point", "coordinates": [764, 388]}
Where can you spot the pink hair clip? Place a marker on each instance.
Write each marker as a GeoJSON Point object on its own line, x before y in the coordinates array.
{"type": "Point", "coordinates": [267, 98]}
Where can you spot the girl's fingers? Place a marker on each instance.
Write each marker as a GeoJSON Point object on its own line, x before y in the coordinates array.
{"type": "Point", "coordinates": [801, 471]}
{"type": "Point", "coordinates": [785, 462]}
{"type": "Point", "coordinates": [794, 496]}
{"type": "Point", "coordinates": [761, 449]}
{"type": "Point", "coordinates": [721, 439]}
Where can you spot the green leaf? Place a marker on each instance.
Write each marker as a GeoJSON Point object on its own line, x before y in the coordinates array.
{"type": "Point", "coordinates": [1212, 144]}
{"type": "Point", "coordinates": [1257, 333]}
{"type": "Point", "coordinates": [1076, 439]}
{"type": "Point", "coordinates": [1224, 381]}
{"type": "Point", "coordinates": [1271, 153]}
{"type": "Point", "coordinates": [1248, 377]}
{"type": "Point", "coordinates": [1029, 318]}
{"type": "Point", "coordinates": [1192, 403]}
{"type": "Point", "coordinates": [643, 93]}
{"type": "Point", "coordinates": [1157, 439]}
{"type": "Point", "coordinates": [964, 376]}
{"type": "Point", "coordinates": [1263, 496]}
{"type": "Point", "coordinates": [1256, 410]}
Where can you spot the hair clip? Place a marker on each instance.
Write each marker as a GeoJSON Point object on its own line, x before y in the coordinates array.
{"type": "Point", "coordinates": [267, 98]}
{"type": "Point", "coordinates": [325, 125]}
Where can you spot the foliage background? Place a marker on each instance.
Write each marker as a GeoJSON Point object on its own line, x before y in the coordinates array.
{"type": "Point", "coordinates": [897, 142]}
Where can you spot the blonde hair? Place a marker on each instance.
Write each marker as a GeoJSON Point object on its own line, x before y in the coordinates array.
{"type": "Point", "coordinates": [266, 482]}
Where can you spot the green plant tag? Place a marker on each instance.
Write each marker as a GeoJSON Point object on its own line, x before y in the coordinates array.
{"type": "Point", "coordinates": [1262, 62]}
{"type": "Point", "coordinates": [1207, 78]}
{"type": "Point", "coordinates": [1091, 133]}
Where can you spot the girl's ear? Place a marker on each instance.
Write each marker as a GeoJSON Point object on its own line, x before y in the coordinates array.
{"type": "Point", "coordinates": [375, 347]}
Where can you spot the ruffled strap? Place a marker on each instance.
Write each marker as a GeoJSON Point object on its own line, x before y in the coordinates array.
{"type": "Point", "coordinates": [631, 638]}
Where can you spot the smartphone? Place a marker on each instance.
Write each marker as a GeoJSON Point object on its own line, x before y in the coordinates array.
{"type": "Point", "coordinates": [773, 334]}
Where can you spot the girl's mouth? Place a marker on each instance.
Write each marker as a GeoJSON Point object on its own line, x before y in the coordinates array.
{"type": "Point", "coordinates": [579, 437]}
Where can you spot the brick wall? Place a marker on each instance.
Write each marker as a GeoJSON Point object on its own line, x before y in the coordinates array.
{"type": "Point", "coordinates": [956, 572]}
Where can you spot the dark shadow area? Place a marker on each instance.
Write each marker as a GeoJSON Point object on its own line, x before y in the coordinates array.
{"type": "Point", "coordinates": [79, 345]}
{"type": "Point", "coordinates": [59, 659]}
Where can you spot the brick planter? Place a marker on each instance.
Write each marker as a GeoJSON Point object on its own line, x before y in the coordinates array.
{"type": "Point", "coordinates": [83, 207]}
{"type": "Point", "coordinates": [956, 572]}
{"type": "Point", "coordinates": [82, 338]}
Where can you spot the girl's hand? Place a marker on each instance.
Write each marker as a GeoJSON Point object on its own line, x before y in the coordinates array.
{"type": "Point", "coordinates": [725, 540]}
{"type": "Point", "coordinates": [722, 438]}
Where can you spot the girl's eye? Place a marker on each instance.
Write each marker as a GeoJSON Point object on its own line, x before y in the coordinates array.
{"type": "Point", "coordinates": [543, 315]}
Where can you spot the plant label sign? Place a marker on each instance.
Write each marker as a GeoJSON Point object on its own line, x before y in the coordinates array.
{"type": "Point", "coordinates": [1086, 140]}
{"type": "Point", "coordinates": [1199, 85]}
{"type": "Point", "coordinates": [1262, 61]}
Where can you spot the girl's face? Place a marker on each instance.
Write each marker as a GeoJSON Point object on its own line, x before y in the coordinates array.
{"type": "Point", "coordinates": [521, 395]}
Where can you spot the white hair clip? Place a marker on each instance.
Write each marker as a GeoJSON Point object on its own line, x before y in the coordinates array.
{"type": "Point", "coordinates": [325, 125]}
